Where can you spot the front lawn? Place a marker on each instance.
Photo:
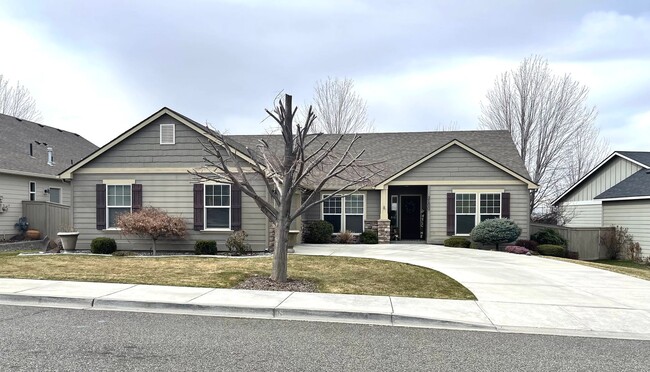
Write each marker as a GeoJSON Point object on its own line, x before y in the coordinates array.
{"type": "Point", "coordinates": [331, 274]}
{"type": "Point", "coordinates": [618, 266]}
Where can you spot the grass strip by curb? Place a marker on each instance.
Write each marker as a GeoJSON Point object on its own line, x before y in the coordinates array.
{"type": "Point", "coordinates": [625, 267]}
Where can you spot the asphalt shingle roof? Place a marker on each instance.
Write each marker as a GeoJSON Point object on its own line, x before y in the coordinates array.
{"type": "Point", "coordinates": [637, 184]}
{"type": "Point", "coordinates": [640, 156]}
{"type": "Point", "coordinates": [399, 150]}
{"type": "Point", "coordinates": [17, 134]}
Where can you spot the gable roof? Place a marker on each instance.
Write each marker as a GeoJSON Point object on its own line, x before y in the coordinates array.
{"type": "Point", "coordinates": [15, 137]}
{"type": "Point", "coordinates": [199, 128]}
{"type": "Point", "coordinates": [640, 158]}
{"type": "Point", "coordinates": [636, 185]}
{"type": "Point", "coordinates": [400, 150]}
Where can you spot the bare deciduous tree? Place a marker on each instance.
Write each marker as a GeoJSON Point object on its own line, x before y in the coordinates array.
{"type": "Point", "coordinates": [302, 161]}
{"type": "Point", "coordinates": [17, 101]}
{"type": "Point", "coordinates": [550, 123]}
{"type": "Point", "coordinates": [339, 108]}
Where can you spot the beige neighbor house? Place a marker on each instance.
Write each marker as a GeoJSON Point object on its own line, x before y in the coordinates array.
{"type": "Point", "coordinates": [31, 157]}
{"type": "Point", "coordinates": [615, 193]}
{"type": "Point", "coordinates": [433, 185]}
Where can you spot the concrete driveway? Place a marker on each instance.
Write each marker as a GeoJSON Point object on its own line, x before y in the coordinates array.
{"type": "Point", "coordinates": [526, 291]}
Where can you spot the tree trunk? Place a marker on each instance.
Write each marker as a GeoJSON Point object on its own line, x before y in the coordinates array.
{"type": "Point", "coordinates": [154, 247]}
{"type": "Point", "coordinates": [279, 273]}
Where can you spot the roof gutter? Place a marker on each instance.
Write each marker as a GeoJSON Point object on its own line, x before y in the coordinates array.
{"type": "Point", "coordinates": [29, 174]}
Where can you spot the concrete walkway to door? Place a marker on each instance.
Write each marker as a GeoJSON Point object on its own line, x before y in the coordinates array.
{"type": "Point", "coordinates": [525, 293]}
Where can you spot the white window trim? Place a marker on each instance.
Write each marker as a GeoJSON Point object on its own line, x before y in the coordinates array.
{"type": "Point", "coordinates": [205, 208]}
{"type": "Point", "coordinates": [108, 221]}
{"type": "Point", "coordinates": [477, 212]}
{"type": "Point", "coordinates": [30, 192]}
{"type": "Point", "coordinates": [173, 126]}
{"type": "Point", "coordinates": [343, 214]}
{"type": "Point", "coordinates": [60, 195]}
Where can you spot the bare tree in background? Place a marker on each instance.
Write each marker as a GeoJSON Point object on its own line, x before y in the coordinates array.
{"type": "Point", "coordinates": [304, 160]}
{"type": "Point", "coordinates": [449, 127]}
{"type": "Point", "coordinates": [339, 108]}
{"type": "Point", "coordinates": [550, 123]}
{"type": "Point", "coordinates": [17, 101]}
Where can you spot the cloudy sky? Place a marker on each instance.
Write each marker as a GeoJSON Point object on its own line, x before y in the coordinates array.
{"type": "Point", "coordinates": [99, 67]}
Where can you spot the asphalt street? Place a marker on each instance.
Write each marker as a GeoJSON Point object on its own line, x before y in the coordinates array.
{"type": "Point", "coordinates": [52, 339]}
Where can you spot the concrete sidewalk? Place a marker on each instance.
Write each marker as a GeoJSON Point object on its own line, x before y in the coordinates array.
{"type": "Point", "coordinates": [516, 293]}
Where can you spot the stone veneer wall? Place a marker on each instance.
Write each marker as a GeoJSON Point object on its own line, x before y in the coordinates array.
{"type": "Point", "coordinates": [383, 231]}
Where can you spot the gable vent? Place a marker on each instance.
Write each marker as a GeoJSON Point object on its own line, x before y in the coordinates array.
{"type": "Point", "coordinates": [167, 134]}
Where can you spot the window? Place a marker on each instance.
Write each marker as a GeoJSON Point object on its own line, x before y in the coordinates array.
{"type": "Point", "coordinates": [32, 190]}
{"type": "Point", "coordinates": [118, 201]}
{"type": "Point", "coordinates": [466, 216]}
{"type": "Point", "coordinates": [345, 213]}
{"type": "Point", "coordinates": [55, 195]}
{"type": "Point", "coordinates": [167, 134]}
{"type": "Point", "coordinates": [217, 206]}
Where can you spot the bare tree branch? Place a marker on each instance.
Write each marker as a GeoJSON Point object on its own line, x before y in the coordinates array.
{"type": "Point", "coordinates": [339, 108]}
{"type": "Point", "coordinates": [17, 101]}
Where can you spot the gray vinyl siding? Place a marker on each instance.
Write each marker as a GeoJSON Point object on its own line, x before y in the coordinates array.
{"type": "Point", "coordinates": [590, 215]}
{"type": "Point", "coordinates": [14, 189]}
{"type": "Point", "coordinates": [635, 215]}
{"type": "Point", "coordinates": [143, 148]}
{"type": "Point", "coordinates": [615, 171]}
{"type": "Point", "coordinates": [454, 163]}
{"type": "Point", "coordinates": [437, 216]}
{"type": "Point", "coordinates": [172, 193]}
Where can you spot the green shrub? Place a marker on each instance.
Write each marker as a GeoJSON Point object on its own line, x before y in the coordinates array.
{"type": "Point", "coordinates": [369, 237]}
{"type": "Point", "coordinates": [103, 246]}
{"type": "Point", "coordinates": [528, 244]}
{"type": "Point", "coordinates": [236, 242]}
{"type": "Point", "coordinates": [551, 250]}
{"type": "Point", "coordinates": [319, 232]}
{"type": "Point", "coordinates": [123, 253]}
{"type": "Point", "coordinates": [475, 245]}
{"type": "Point", "coordinates": [205, 247]}
{"type": "Point", "coordinates": [495, 231]}
{"type": "Point", "coordinates": [548, 236]}
{"type": "Point", "coordinates": [457, 241]}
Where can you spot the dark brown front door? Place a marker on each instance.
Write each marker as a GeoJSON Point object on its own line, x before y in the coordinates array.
{"type": "Point", "coordinates": [410, 209]}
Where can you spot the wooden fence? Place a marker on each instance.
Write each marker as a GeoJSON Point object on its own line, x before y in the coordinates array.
{"type": "Point", "coordinates": [583, 240]}
{"type": "Point", "coordinates": [48, 218]}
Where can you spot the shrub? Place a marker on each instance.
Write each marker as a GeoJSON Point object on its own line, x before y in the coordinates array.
{"type": "Point", "coordinates": [475, 245]}
{"type": "Point", "coordinates": [548, 236]}
{"type": "Point", "coordinates": [346, 237]}
{"type": "Point", "coordinates": [528, 244]}
{"type": "Point", "coordinates": [551, 250]}
{"type": "Point", "coordinates": [319, 232]}
{"type": "Point", "coordinates": [457, 241]}
{"type": "Point", "coordinates": [103, 246]}
{"type": "Point", "coordinates": [123, 253]}
{"type": "Point", "coordinates": [615, 240]}
{"type": "Point", "coordinates": [369, 237]}
{"type": "Point", "coordinates": [495, 231]}
{"type": "Point", "coordinates": [205, 247]}
{"type": "Point", "coordinates": [634, 252]}
{"type": "Point", "coordinates": [152, 223]}
{"type": "Point", "coordinates": [236, 242]}
{"type": "Point", "coordinates": [517, 249]}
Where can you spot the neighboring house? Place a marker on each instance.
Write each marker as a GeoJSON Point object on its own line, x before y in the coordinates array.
{"type": "Point", "coordinates": [433, 185]}
{"type": "Point", "coordinates": [615, 193]}
{"type": "Point", "coordinates": [31, 157]}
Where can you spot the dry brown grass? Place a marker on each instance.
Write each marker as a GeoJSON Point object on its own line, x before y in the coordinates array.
{"type": "Point", "coordinates": [331, 274]}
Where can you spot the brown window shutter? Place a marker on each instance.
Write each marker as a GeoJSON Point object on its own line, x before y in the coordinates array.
{"type": "Point", "coordinates": [100, 205]}
{"type": "Point", "coordinates": [198, 206]}
{"type": "Point", "coordinates": [136, 197]}
{"type": "Point", "coordinates": [451, 213]}
{"type": "Point", "coordinates": [505, 205]}
{"type": "Point", "coordinates": [235, 207]}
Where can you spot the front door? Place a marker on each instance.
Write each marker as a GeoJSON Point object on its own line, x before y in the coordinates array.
{"type": "Point", "coordinates": [410, 209]}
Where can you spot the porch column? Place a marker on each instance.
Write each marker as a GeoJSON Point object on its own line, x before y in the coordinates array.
{"type": "Point", "coordinates": [383, 224]}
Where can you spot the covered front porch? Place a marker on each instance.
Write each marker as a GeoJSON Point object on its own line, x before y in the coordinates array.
{"type": "Point", "coordinates": [403, 213]}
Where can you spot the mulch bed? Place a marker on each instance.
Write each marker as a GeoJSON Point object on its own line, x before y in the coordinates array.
{"type": "Point", "coordinates": [265, 284]}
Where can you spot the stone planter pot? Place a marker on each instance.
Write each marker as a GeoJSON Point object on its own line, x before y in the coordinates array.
{"type": "Point", "coordinates": [69, 241]}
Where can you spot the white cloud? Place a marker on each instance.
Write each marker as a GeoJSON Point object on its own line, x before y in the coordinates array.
{"type": "Point", "coordinates": [73, 91]}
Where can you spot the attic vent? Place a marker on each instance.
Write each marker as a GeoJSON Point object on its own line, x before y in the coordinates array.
{"type": "Point", "coordinates": [167, 134]}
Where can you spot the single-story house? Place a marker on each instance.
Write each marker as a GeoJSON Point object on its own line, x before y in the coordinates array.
{"type": "Point", "coordinates": [615, 193]}
{"type": "Point", "coordinates": [31, 157]}
{"type": "Point", "coordinates": [433, 185]}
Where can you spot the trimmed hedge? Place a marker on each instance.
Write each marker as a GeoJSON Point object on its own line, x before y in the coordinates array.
{"type": "Point", "coordinates": [551, 250]}
{"type": "Point", "coordinates": [549, 236]}
{"type": "Point", "coordinates": [369, 237]}
{"type": "Point", "coordinates": [318, 232]}
{"type": "Point", "coordinates": [205, 247]}
{"type": "Point", "coordinates": [457, 241]}
{"type": "Point", "coordinates": [103, 246]}
{"type": "Point", "coordinates": [528, 244]}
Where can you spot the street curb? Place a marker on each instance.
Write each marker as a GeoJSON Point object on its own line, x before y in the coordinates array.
{"type": "Point", "coordinates": [186, 308]}
{"type": "Point", "coordinates": [48, 301]}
